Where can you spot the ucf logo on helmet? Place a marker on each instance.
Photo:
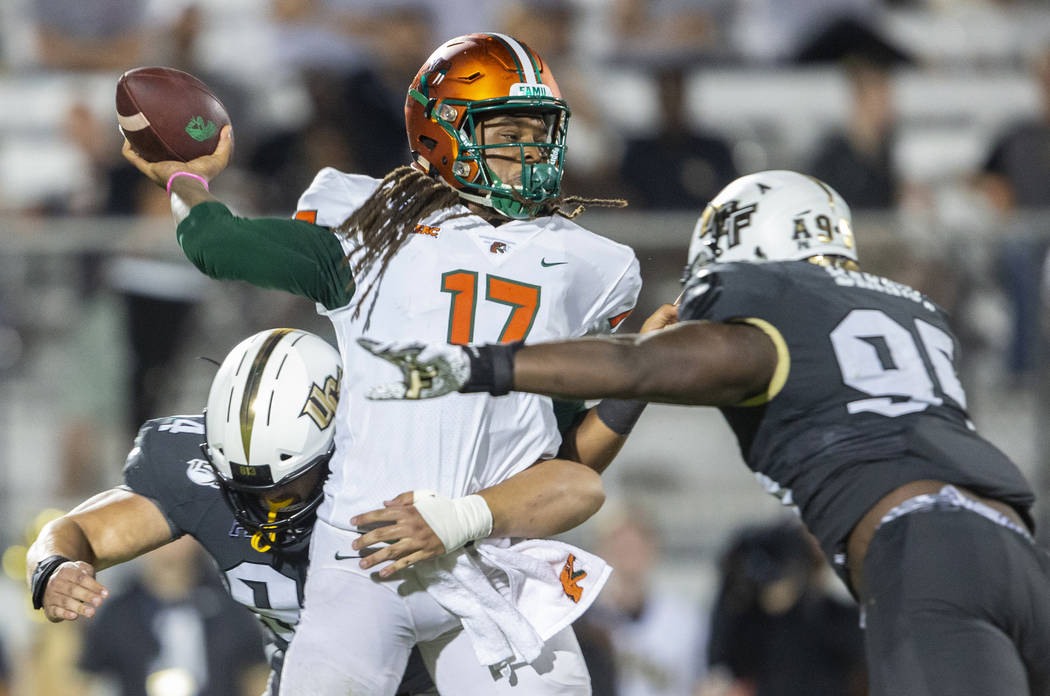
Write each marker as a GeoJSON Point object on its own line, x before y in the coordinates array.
{"type": "Point", "coordinates": [321, 403]}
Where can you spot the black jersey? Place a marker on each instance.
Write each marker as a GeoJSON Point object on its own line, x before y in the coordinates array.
{"type": "Point", "coordinates": [166, 466]}
{"type": "Point", "coordinates": [865, 398]}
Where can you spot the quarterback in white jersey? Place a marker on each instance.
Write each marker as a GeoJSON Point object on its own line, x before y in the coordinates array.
{"type": "Point", "coordinates": [461, 280]}
{"type": "Point", "coordinates": [468, 244]}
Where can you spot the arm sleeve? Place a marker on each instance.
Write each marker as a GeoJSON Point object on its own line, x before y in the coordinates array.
{"type": "Point", "coordinates": [273, 253]}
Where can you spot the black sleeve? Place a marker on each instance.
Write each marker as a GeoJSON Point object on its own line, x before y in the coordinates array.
{"type": "Point", "coordinates": [145, 474]}
{"type": "Point", "coordinates": [274, 253]}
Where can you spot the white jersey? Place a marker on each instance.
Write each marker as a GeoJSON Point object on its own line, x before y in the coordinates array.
{"type": "Point", "coordinates": [460, 280]}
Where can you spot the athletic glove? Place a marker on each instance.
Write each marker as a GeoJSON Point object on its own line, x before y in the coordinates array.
{"type": "Point", "coordinates": [436, 369]}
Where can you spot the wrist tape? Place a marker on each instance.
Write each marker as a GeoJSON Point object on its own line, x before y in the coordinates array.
{"type": "Point", "coordinates": [44, 570]}
{"type": "Point", "coordinates": [620, 415]}
{"type": "Point", "coordinates": [455, 521]}
{"type": "Point", "coordinates": [491, 368]}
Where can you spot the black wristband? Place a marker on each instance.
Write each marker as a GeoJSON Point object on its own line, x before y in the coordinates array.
{"type": "Point", "coordinates": [44, 570]}
{"type": "Point", "coordinates": [491, 368]}
{"type": "Point", "coordinates": [620, 415]}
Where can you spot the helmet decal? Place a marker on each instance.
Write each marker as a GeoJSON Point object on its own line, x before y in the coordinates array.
{"type": "Point", "coordinates": [322, 401]}
{"type": "Point", "coordinates": [433, 74]}
{"type": "Point", "coordinates": [251, 391]}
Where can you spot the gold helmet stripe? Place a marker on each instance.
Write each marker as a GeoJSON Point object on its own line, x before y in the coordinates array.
{"type": "Point", "coordinates": [529, 71]}
{"type": "Point", "coordinates": [251, 388]}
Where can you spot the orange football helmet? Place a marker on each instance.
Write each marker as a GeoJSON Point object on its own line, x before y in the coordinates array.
{"type": "Point", "coordinates": [466, 80]}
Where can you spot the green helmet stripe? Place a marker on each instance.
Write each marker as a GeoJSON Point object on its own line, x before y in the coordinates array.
{"type": "Point", "coordinates": [251, 388]}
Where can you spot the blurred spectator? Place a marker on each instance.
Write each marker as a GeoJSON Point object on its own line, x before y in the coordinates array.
{"type": "Point", "coordinates": [173, 630]}
{"type": "Point", "coordinates": [91, 34]}
{"type": "Point", "coordinates": [657, 635]}
{"type": "Point", "coordinates": [668, 27]}
{"type": "Point", "coordinates": [550, 27]}
{"type": "Point", "coordinates": [679, 167]}
{"type": "Point", "coordinates": [858, 160]}
{"type": "Point", "coordinates": [1016, 176]}
{"type": "Point", "coordinates": [354, 61]}
{"type": "Point", "coordinates": [775, 629]}
{"type": "Point", "coordinates": [774, 31]}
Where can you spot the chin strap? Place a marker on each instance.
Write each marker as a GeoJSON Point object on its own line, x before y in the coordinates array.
{"type": "Point", "coordinates": [271, 517]}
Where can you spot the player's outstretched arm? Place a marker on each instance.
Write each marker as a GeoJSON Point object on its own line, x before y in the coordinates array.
{"type": "Point", "coordinates": [111, 527]}
{"type": "Point", "coordinates": [694, 362]}
{"type": "Point", "coordinates": [598, 438]}
{"type": "Point", "coordinates": [550, 497]}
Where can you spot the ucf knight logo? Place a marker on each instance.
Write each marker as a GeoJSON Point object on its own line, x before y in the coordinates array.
{"type": "Point", "coordinates": [321, 403]}
{"type": "Point", "coordinates": [729, 220]}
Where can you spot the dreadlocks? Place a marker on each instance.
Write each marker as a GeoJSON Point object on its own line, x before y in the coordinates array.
{"type": "Point", "coordinates": [405, 197]}
{"type": "Point", "coordinates": [383, 223]}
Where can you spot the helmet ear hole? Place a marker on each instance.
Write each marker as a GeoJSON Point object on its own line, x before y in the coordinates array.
{"type": "Point", "coordinates": [427, 142]}
{"type": "Point", "coordinates": [285, 457]}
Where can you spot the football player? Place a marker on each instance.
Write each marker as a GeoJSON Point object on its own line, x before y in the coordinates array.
{"type": "Point", "coordinates": [245, 479]}
{"type": "Point", "coordinates": [471, 242]}
{"type": "Point", "coordinates": [842, 390]}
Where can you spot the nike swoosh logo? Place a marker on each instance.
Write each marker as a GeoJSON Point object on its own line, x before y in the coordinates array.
{"type": "Point", "coordinates": [340, 557]}
{"type": "Point", "coordinates": [546, 264]}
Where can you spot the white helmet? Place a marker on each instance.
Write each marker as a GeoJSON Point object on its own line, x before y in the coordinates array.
{"type": "Point", "coordinates": [775, 215]}
{"type": "Point", "coordinates": [269, 424]}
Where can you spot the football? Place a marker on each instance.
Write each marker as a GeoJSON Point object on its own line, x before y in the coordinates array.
{"type": "Point", "coordinates": [167, 114]}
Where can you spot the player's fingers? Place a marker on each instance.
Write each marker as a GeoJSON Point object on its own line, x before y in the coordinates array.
{"type": "Point", "coordinates": [374, 518]}
{"type": "Point", "coordinates": [142, 165]}
{"type": "Point", "coordinates": [390, 553]}
{"type": "Point", "coordinates": [55, 613]}
{"type": "Point", "coordinates": [386, 534]}
{"type": "Point", "coordinates": [60, 606]}
{"type": "Point", "coordinates": [405, 562]}
{"type": "Point", "coordinates": [71, 587]}
{"type": "Point", "coordinates": [221, 155]}
{"type": "Point", "coordinates": [406, 498]}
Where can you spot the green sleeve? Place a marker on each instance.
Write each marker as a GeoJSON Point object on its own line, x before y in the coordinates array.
{"type": "Point", "coordinates": [569, 414]}
{"type": "Point", "coordinates": [274, 253]}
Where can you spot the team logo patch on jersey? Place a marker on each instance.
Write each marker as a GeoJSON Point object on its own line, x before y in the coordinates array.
{"type": "Point", "coordinates": [322, 401]}
{"type": "Point", "coordinates": [427, 230]}
{"type": "Point", "coordinates": [201, 473]}
{"type": "Point", "coordinates": [498, 248]}
{"type": "Point", "coordinates": [570, 579]}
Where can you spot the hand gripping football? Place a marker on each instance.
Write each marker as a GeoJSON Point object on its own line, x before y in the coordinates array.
{"type": "Point", "coordinates": [167, 114]}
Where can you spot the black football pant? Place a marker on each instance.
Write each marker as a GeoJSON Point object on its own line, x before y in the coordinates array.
{"type": "Point", "coordinates": [956, 605]}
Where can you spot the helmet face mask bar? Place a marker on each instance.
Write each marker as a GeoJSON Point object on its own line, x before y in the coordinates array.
{"type": "Point", "coordinates": [540, 180]}
{"type": "Point", "coordinates": [285, 521]}
{"type": "Point", "coordinates": [473, 78]}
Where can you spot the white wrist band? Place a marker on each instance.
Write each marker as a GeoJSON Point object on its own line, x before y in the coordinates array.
{"type": "Point", "coordinates": [455, 521]}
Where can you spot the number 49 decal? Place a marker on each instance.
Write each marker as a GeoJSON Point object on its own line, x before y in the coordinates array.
{"type": "Point", "coordinates": [522, 298]}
